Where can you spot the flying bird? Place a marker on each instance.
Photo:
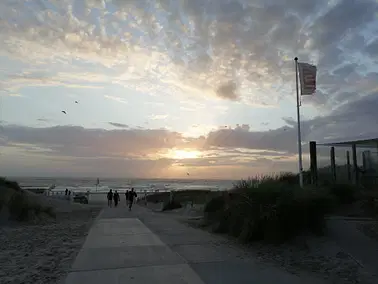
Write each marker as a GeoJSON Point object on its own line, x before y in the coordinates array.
{"type": "Point", "coordinates": [76, 102]}
{"type": "Point", "coordinates": [64, 111]}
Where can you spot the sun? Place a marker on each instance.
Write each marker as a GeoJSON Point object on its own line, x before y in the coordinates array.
{"type": "Point", "coordinates": [185, 154]}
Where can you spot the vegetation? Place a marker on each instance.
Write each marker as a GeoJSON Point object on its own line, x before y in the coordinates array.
{"type": "Point", "coordinates": [19, 204]}
{"type": "Point", "coordinates": [171, 205]}
{"type": "Point", "coordinates": [274, 208]}
{"type": "Point", "coordinates": [182, 196]}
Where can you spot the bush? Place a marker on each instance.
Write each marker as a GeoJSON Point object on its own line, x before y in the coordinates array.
{"type": "Point", "coordinates": [19, 207]}
{"type": "Point", "coordinates": [171, 205]}
{"type": "Point", "coordinates": [345, 193]}
{"type": "Point", "coordinates": [275, 210]}
{"type": "Point", "coordinates": [10, 184]}
{"type": "Point", "coordinates": [23, 209]}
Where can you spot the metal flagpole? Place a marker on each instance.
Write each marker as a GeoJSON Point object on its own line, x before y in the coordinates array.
{"type": "Point", "coordinates": [300, 166]}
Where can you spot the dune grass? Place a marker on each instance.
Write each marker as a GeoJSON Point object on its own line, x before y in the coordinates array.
{"type": "Point", "coordinates": [274, 208]}
{"type": "Point", "coordinates": [18, 204]}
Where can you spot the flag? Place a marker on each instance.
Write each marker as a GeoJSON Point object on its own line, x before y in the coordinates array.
{"type": "Point", "coordinates": [307, 77]}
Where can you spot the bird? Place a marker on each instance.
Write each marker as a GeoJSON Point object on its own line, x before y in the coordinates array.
{"type": "Point", "coordinates": [187, 174]}
{"type": "Point", "coordinates": [76, 102]}
{"type": "Point", "coordinates": [64, 111]}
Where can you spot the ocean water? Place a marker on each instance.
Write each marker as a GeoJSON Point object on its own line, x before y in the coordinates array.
{"type": "Point", "coordinates": [140, 185]}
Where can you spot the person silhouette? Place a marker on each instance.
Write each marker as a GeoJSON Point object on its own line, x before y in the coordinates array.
{"type": "Point", "coordinates": [110, 198]}
{"type": "Point", "coordinates": [132, 195]}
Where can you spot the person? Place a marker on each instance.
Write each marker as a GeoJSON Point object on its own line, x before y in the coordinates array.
{"type": "Point", "coordinates": [116, 198]}
{"type": "Point", "coordinates": [132, 195]}
{"type": "Point", "coordinates": [66, 192]}
{"type": "Point", "coordinates": [110, 198]}
{"type": "Point", "coordinates": [127, 197]}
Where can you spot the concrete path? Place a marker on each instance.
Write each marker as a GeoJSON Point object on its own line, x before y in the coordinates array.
{"type": "Point", "coordinates": [362, 248]}
{"type": "Point", "coordinates": [145, 247]}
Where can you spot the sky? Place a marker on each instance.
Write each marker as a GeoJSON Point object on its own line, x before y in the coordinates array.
{"type": "Point", "coordinates": [162, 88]}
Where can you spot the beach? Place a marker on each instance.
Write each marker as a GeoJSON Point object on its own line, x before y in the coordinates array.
{"type": "Point", "coordinates": [42, 251]}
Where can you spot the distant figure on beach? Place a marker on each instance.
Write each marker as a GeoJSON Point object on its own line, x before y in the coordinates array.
{"type": "Point", "coordinates": [69, 192]}
{"type": "Point", "coordinates": [110, 198]}
{"type": "Point", "coordinates": [66, 191]}
{"type": "Point", "coordinates": [127, 197]}
{"type": "Point", "coordinates": [116, 198]}
{"type": "Point", "coordinates": [132, 195]}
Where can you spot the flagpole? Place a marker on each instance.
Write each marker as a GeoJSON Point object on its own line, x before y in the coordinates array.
{"type": "Point", "coordinates": [300, 166]}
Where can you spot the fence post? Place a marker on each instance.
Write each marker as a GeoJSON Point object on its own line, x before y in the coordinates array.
{"type": "Point", "coordinates": [355, 165]}
{"type": "Point", "coordinates": [333, 164]}
{"type": "Point", "coordinates": [313, 163]}
{"type": "Point", "coordinates": [348, 166]}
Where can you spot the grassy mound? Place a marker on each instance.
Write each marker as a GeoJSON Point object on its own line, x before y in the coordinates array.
{"type": "Point", "coordinates": [171, 205]}
{"type": "Point", "coordinates": [16, 204]}
{"type": "Point", "coordinates": [270, 208]}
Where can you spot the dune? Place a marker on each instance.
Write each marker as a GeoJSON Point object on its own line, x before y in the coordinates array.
{"type": "Point", "coordinates": [42, 247]}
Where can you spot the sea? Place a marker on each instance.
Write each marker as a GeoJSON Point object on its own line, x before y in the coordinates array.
{"type": "Point", "coordinates": [122, 184]}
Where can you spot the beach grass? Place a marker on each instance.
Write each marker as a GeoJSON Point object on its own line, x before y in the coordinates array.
{"type": "Point", "coordinates": [18, 205]}
{"type": "Point", "coordinates": [182, 196]}
{"type": "Point", "coordinates": [40, 235]}
{"type": "Point", "coordinates": [273, 208]}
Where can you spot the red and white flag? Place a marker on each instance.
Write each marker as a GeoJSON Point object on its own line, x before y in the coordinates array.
{"type": "Point", "coordinates": [307, 77]}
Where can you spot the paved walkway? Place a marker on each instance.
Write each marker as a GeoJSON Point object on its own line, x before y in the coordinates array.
{"type": "Point", "coordinates": [145, 247]}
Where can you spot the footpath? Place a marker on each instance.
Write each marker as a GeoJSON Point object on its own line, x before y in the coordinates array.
{"type": "Point", "coordinates": [147, 247]}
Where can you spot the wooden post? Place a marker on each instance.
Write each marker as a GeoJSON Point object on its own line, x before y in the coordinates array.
{"type": "Point", "coordinates": [333, 164]}
{"type": "Point", "coordinates": [355, 165]}
{"type": "Point", "coordinates": [313, 163]}
{"type": "Point", "coordinates": [348, 166]}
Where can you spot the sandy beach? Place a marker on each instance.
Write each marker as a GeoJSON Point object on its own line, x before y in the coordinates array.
{"type": "Point", "coordinates": [43, 251]}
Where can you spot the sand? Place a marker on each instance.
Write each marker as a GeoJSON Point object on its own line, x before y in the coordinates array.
{"type": "Point", "coordinates": [43, 251]}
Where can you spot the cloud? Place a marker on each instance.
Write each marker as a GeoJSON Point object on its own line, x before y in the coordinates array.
{"type": "Point", "coordinates": [120, 125]}
{"type": "Point", "coordinates": [228, 91]}
{"type": "Point", "coordinates": [43, 120]}
{"type": "Point", "coordinates": [158, 116]}
{"type": "Point", "coordinates": [230, 50]}
{"type": "Point", "coordinates": [225, 151]}
{"type": "Point", "coordinates": [117, 99]}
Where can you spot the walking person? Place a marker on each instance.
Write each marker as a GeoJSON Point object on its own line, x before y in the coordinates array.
{"type": "Point", "coordinates": [132, 195]}
{"type": "Point", "coordinates": [116, 198]}
{"type": "Point", "coordinates": [110, 198]}
{"type": "Point", "coordinates": [127, 197]}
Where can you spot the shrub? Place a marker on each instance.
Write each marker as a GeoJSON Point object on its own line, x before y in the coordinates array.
{"type": "Point", "coordinates": [19, 207]}
{"type": "Point", "coordinates": [23, 209]}
{"type": "Point", "coordinates": [275, 210]}
{"type": "Point", "coordinates": [345, 193]}
{"type": "Point", "coordinates": [214, 206]}
{"type": "Point", "coordinates": [10, 184]}
{"type": "Point", "coordinates": [171, 205]}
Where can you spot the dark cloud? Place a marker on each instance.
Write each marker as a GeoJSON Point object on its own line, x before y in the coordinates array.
{"type": "Point", "coordinates": [228, 91]}
{"type": "Point", "coordinates": [120, 125]}
{"type": "Point", "coordinates": [332, 26]}
{"type": "Point", "coordinates": [43, 120]}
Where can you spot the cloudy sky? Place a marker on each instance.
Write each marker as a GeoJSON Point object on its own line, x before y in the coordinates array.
{"type": "Point", "coordinates": [166, 87]}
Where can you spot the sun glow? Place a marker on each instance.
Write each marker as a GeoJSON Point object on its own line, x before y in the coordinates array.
{"type": "Point", "coordinates": [184, 154]}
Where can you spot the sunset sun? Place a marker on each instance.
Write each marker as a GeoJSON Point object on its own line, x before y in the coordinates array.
{"type": "Point", "coordinates": [185, 154]}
